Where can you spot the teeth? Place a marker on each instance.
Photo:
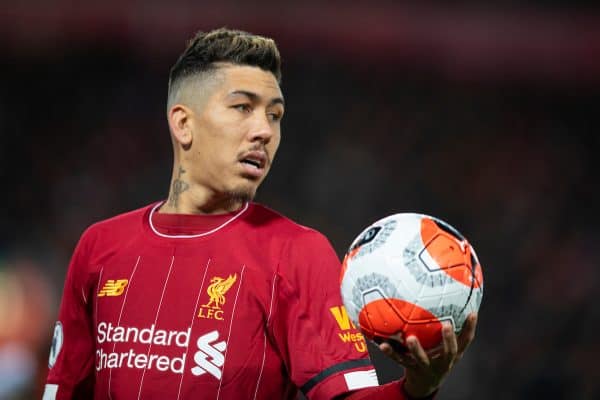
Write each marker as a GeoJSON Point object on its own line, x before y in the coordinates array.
{"type": "Point", "coordinates": [255, 164]}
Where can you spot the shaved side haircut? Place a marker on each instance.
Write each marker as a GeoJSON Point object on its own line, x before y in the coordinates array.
{"type": "Point", "coordinates": [206, 50]}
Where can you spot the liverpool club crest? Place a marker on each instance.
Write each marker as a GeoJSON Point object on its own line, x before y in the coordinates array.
{"type": "Point", "coordinates": [216, 292]}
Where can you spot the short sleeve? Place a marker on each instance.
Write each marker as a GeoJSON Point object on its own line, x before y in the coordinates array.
{"type": "Point", "coordinates": [323, 351]}
{"type": "Point", "coordinates": [72, 352]}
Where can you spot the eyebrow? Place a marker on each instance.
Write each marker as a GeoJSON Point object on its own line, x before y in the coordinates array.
{"type": "Point", "coordinates": [255, 97]}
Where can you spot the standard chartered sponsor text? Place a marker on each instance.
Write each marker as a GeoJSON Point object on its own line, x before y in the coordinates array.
{"type": "Point", "coordinates": [108, 333]}
{"type": "Point", "coordinates": [131, 334]}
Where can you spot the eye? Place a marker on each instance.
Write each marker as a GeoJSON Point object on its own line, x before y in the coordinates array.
{"type": "Point", "coordinates": [245, 108]}
{"type": "Point", "coordinates": [274, 116]}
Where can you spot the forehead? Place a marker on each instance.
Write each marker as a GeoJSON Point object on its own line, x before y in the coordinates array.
{"type": "Point", "coordinates": [247, 78]}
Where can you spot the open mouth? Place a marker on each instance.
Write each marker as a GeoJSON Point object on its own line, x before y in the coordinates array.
{"type": "Point", "coordinates": [251, 162]}
{"type": "Point", "coordinates": [254, 164]}
{"type": "Point", "coordinates": [254, 159]}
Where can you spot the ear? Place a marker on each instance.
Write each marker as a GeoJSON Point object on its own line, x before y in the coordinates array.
{"type": "Point", "coordinates": [180, 123]}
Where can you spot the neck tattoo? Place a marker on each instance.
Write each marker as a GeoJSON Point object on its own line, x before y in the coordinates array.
{"type": "Point", "coordinates": [179, 186]}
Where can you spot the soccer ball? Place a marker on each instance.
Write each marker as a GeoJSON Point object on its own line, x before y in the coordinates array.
{"type": "Point", "coordinates": [408, 273]}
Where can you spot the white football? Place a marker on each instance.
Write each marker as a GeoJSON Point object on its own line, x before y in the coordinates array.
{"type": "Point", "coordinates": [407, 273]}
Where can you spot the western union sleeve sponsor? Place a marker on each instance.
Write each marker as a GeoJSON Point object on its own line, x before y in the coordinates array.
{"type": "Point", "coordinates": [349, 333]}
{"type": "Point", "coordinates": [341, 316]}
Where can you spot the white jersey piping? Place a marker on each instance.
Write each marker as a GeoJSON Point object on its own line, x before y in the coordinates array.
{"type": "Point", "coordinates": [155, 321]}
{"type": "Point", "coordinates": [262, 365]}
{"type": "Point", "coordinates": [236, 216]}
{"type": "Point", "coordinates": [237, 293]}
{"type": "Point", "coordinates": [119, 320]}
{"type": "Point", "coordinates": [192, 322]}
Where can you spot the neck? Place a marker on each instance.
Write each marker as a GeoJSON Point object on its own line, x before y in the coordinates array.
{"type": "Point", "coordinates": [187, 197]}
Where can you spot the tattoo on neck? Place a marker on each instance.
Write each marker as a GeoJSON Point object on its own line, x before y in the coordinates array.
{"type": "Point", "coordinates": [179, 186]}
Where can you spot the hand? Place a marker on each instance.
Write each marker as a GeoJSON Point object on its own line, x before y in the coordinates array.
{"type": "Point", "coordinates": [424, 374]}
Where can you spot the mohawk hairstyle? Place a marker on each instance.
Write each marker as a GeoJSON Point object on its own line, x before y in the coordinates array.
{"type": "Point", "coordinates": [224, 45]}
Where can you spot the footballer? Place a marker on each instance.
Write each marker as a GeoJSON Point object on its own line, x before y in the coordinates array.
{"type": "Point", "coordinates": [208, 295]}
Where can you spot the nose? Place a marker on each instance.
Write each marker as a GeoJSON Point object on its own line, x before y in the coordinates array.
{"type": "Point", "coordinates": [261, 130]}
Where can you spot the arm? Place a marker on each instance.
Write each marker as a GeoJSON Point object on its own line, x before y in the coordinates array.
{"type": "Point", "coordinates": [423, 374]}
{"type": "Point", "coordinates": [325, 355]}
{"type": "Point", "coordinates": [71, 359]}
{"type": "Point", "coordinates": [312, 332]}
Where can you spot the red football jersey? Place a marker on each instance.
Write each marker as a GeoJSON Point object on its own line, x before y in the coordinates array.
{"type": "Point", "coordinates": [248, 309]}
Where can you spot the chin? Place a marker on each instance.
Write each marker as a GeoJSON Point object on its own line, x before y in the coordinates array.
{"type": "Point", "coordinates": [242, 194]}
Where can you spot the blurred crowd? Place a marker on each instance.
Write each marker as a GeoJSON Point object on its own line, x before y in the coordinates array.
{"type": "Point", "coordinates": [512, 165]}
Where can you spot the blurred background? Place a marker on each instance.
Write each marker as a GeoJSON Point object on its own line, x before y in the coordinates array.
{"type": "Point", "coordinates": [483, 113]}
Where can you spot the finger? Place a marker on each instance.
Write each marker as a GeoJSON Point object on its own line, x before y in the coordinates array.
{"type": "Point", "coordinates": [386, 348]}
{"type": "Point", "coordinates": [404, 359]}
{"type": "Point", "coordinates": [450, 342]}
{"type": "Point", "coordinates": [468, 333]}
{"type": "Point", "coordinates": [417, 351]}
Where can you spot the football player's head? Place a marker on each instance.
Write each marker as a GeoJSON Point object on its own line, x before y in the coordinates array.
{"type": "Point", "coordinates": [224, 110]}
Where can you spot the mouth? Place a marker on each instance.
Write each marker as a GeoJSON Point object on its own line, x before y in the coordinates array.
{"type": "Point", "coordinates": [254, 163]}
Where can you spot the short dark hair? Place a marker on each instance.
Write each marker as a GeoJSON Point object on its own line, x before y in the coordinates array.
{"type": "Point", "coordinates": [228, 46]}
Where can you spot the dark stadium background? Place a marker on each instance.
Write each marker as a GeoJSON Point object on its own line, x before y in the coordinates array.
{"type": "Point", "coordinates": [483, 113]}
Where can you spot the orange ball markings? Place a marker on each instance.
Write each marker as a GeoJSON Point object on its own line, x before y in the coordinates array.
{"type": "Point", "coordinates": [394, 314]}
{"type": "Point", "coordinates": [452, 255]}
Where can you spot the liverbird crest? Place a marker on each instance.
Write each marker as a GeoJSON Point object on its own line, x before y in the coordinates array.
{"type": "Point", "coordinates": [217, 289]}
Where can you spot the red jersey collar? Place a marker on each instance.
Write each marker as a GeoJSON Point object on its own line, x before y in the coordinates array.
{"type": "Point", "coordinates": [189, 225]}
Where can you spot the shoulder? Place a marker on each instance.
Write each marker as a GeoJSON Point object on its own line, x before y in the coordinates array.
{"type": "Point", "coordinates": [275, 223]}
{"type": "Point", "coordinates": [298, 243]}
{"type": "Point", "coordinates": [104, 238]}
{"type": "Point", "coordinates": [115, 228]}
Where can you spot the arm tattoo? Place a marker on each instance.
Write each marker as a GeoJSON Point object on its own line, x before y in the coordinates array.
{"type": "Point", "coordinates": [179, 186]}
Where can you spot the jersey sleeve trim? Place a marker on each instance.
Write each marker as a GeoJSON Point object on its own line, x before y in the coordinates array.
{"type": "Point", "coordinates": [334, 369]}
{"type": "Point", "coordinates": [50, 391]}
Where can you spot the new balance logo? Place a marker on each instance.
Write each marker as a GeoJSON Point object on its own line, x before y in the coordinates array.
{"type": "Point", "coordinates": [113, 287]}
{"type": "Point", "coordinates": [210, 356]}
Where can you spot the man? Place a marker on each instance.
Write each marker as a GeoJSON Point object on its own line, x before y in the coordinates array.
{"type": "Point", "coordinates": [208, 295]}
